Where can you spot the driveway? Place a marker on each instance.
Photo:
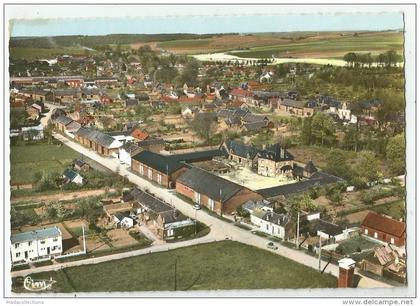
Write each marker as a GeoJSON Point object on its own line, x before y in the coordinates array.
{"type": "Point", "coordinates": [220, 229]}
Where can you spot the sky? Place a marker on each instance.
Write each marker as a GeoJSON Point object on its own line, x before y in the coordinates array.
{"type": "Point", "coordinates": [195, 19]}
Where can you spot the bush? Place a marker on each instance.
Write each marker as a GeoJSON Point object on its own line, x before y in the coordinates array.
{"type": "Point", "coordinates": [242, 212]}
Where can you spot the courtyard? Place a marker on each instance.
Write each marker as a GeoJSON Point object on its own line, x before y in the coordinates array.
{"type": "Point", "coordinates": [246, 177]}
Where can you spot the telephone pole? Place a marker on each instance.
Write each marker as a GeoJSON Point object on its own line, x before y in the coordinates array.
{"type": "Point", "coordinates": [297, 231]}
{"type": "Point", "coordinates": [319, 254]}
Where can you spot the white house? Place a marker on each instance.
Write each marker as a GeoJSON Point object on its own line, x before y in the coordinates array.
{"type": "Point", "coordinates": [123, 220]}
{"type": "Point", "coordinates": [277, 225]}
{"type": "Point", "coordinates": [34, 245]}
{"type": "Point", "coordinates": [33, 132]}
{"type": "Point", "coordinates": [71, 176]}
{"type": "Point", "coordinates": [126, 151]}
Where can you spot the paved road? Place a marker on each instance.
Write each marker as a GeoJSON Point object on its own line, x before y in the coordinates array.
{"type": "Point", "coordinates": [219, 229]}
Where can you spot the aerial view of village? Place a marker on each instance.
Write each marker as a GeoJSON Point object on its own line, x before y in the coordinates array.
{"type": "Point", "coordinates": [187, 160]}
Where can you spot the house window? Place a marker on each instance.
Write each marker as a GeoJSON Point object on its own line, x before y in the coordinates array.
{"type": "Point", "coordinates": [392, 241]}
{"type": "Point", "coordinates": [375, 235]}
{"type": "Point", "coordinates": [55, 239]}
{"type": "Point", "coordinates": [18, 254]}
{"type": "Point", "coordinates": [267, 226]}
{"type": "Point", "coordinates": [16, 245]}
{"type": "Point", "coordinates": [159, 179]}
{"type": "Point", "coordinates": [366, 231]}
{"type": "Point", "coordinates": [42, 241]}
{"type": "Point", "coordinates": [211, 204]}
{"type": "Point", "coordinates": [141, 170]}
{"type": "Point", "coordinates": [29, 243]}
{"type": "Point", "coordinates": [150, 174]}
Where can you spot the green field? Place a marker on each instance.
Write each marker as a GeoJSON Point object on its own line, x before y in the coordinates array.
{"type": "Point", "coordinates": [43, 53]}
{"type": "Point", "coordinates": [28, 159]}
{"type": "Point", "coordinates": [222, 265]}
{"type": "Point", "coordinates": [185, 43]}
{"type": "Point", "coordinates": [330, 47]}
{"type": "Point", "coordinates": [395, 209]}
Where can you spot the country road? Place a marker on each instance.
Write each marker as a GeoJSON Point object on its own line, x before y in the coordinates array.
{"type": "Point", "coordinates": [219, 228]}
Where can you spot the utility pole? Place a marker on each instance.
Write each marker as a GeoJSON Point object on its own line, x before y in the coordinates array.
{"type": "Point", "coordinates": [319, 255]}
{"type": "Point", "coordinates": [84, 239]}
{"type": "Point", "coordinates": [297, 231]}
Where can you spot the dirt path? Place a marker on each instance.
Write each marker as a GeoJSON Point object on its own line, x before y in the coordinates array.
{"type": "Point", "coordinates": [61, 196]}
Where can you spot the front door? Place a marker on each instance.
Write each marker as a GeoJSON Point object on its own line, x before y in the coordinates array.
{"type": "Point", "coordinates": [48, 250]}
{"type": "Point", "coordinates": [26, 254]}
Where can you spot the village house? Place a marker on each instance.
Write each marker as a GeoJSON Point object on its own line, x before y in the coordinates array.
{"type": "Point", "coordinates": [274, 160]}
{"type": "Point", "coordinates": [273, 224]}
{"type": "Point", "coordinates": [123, 220]}
{"type": "Point", "coordinates": [241, 153]}
{"type": "Point", "coordinates": [139, 134]}
{"type": "Point", "coordinates": [80, 165]}
{"type": "Point", "coordinates": [162, 218]}
{"type": "Point", "coordinates": [61, 122]}
{"type": "Point", "coordinates": [127, 151]}
{"type": "Point", "coordinates": [293, 107]}
{"type": "Point", "coordinates": [98, 141]}
{"type": "Point", "coordinates": [263, 204]}
{"type": "Point", "coordinates": [241, 95]}
{"type": "Point", "coordinates": [215, 193]}
{"type": "Point", "coordinates": [37, 244]}
{"type": "Point", "coordinates": [71, 176]}
{"type": "Point", "coordinates": [158, 168]}
{"type": "Point", "coordinates": [38, 94]}
{"type": "Point", "coordinates": [67, 96]}
{"type": "Point", "coordinates": [384, 229]}
{"type": "Point", "coordinates": [34, 111]}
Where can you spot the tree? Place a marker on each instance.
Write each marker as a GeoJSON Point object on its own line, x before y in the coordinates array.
{"type": "Point", "coordinates": [204, 125]}
{"type": "Point", "coordinates": [189, 74]}
{"type": "Point", "coordinates": [337, 164]}
{"type": "Point", "coordinates": [306, 131]}
{"type": "Point", "coordinates": [300, 203]}
{"type": "Point", "coordinates": [395, 154]}
{"type": "Point", "coordinates": [323, 128]}
{"type": "Point", "coordinates": [367, 167]}
{"type": "Point", "coordinates": [350, 58]}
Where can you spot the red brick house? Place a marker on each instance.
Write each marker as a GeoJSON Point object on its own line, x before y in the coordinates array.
{"type": "Point", "coordinates": [158, 168]}
{"type": "Point", "coordinates": [216, 193]}
{"type": "Point", "coordinates": [383, 228]}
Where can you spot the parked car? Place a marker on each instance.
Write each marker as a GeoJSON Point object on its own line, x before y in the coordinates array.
{"type": "Point", "coordinates": [272, 246]}
{"type": "Point", "coordinates": [197, 206]}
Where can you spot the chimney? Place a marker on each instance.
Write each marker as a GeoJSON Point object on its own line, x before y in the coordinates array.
{"type": "Point", "coordinates": [346, 272]}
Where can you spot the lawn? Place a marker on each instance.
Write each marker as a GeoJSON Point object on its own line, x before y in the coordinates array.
{"type": "Point", "coordinates": [222, 265]}
{"type": "Point", "coordinates": [26, 160]}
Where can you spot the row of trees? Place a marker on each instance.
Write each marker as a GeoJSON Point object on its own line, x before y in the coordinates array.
{"type": "Point", "coordinates": [387, 59]}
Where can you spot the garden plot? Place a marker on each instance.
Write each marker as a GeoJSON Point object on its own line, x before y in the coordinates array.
{"type": "Point", "coordinates": [246, 177]}
{"type": "Point", "coordinates": [121, 238]}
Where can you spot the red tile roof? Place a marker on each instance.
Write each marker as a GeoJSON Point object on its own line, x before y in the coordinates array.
{"type": "Point", "coordinates": [384, 224]}
{"type": "Point", "coordinates": [140, 135]}
{"type": "Point", "coordinates": [240, 92]}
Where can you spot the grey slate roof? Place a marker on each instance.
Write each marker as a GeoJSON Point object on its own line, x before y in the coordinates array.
{"type": "Point", "coordinates": [255, 126]}
{"type": "Point", "coordinates": [161, 163]}
{"type": "Point", "coordinates": [241, 149]}
{"type": "Point", "coordinates": [327, 227]}
{"type": "Point", "coordinates": [276, 153]}
{"type": "Point", "coordinates": [292, 103]}
{"type": "Point", "coordinates": [70, 174]}
{"type": "Point", "coordinates": [63, 120]}
{"type": "Point", "coordinates": [272, 217]}
{"type": "Point", "coordinates": [199, 156]}
{"type": "Point", "coordinates": [96, 136]}
{"type": "Point", "coordinates": [148, 201]}
{"type": "Point", "coordinates": [317, 179]}
{"type": "Point", "coordinates": [40, 234]}
{"type": "Point", "coordinates": [209, 184]}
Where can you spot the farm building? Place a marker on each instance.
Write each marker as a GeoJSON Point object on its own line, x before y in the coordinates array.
{"type": "Point", "coordinates": [214, 192]}
{"type": "Point", "coordinates": [384, 228]}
